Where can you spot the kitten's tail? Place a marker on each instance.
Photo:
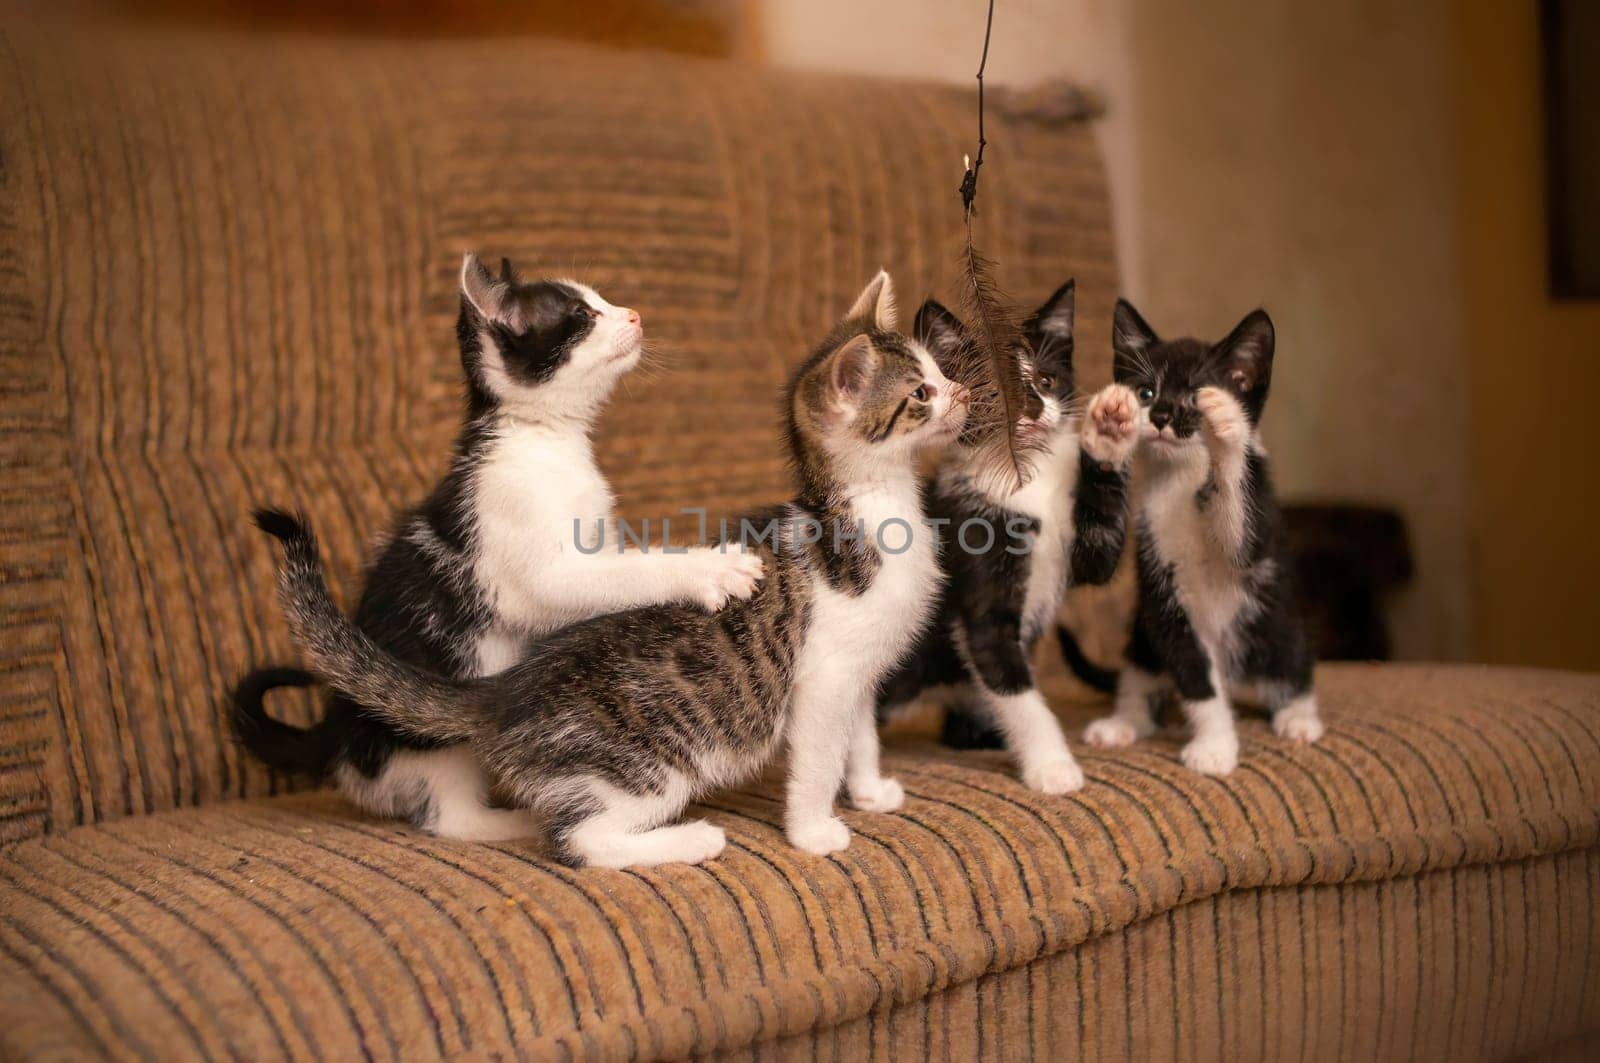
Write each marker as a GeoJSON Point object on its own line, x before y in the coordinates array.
{"type": "Point", "coordinates": [1090, 674]}
{"type": "Point", "coordinates": [281, 746]}
{"type": "Point", "coordinates": [345, 658]}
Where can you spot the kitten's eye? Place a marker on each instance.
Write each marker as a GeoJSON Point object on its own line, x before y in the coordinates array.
{"type": "Point", "coordinates": [585, 310]}
{"type": "Point", "coordinates": [1046, 380]}
{"type": "Point", "coordinates": [1147, 394]}
{"type": "Point", "coordinates": [921, 394]}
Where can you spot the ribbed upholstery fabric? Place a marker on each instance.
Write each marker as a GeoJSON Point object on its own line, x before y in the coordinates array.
{"type": "Point", "coordinates": [1388, 970]}
{"type": "Point", "coordinates": [228, 277]}
{"type": "Point", "coordinates": [1419, 885]}
{"type": "Point", "coordinates": [236, 282]}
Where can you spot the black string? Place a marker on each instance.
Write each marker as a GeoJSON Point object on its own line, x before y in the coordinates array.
{"type": "Point", "coordinates": [969, 182]}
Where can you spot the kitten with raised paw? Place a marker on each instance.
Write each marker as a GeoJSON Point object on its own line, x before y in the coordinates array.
{"type": "Point", "coordinates": [609, 728]}
{"type": "Point", "coordinates": [1215, 619]}
{"type": "Point", "coordinates": [487, 561]}
{"type": "Point", "coordinates": [1065, 526]}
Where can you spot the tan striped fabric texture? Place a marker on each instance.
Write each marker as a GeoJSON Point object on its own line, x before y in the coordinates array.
{"type": "Point", "coordinates": [227, 277]}
{"type": "Point", "coordinates": [1418, 886]}
{"type": "Point", "coordinates": [235, 281]}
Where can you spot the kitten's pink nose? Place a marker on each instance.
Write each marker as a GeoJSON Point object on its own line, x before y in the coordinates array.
{"type": "Point", "coordinates": [633, 317]}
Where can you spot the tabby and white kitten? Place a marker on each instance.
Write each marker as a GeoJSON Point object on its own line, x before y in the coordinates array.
{"type": "Point", "coordinates": [1004, 590]}
{"type": "Point", "coordinates": [609, 728]}
{"type": "Point", "coordinates": [1216, 618]}
{"type": "Point", "coordinates": [486, 561]}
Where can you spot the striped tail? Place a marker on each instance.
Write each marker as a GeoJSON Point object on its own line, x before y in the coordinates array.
{"type": "Point", "coordinates": [345, 658]}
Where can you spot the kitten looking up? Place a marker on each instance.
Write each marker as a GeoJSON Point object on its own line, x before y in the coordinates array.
{"type": "Point", "coordinates": [609, 728]}
{"type": "Point", "coordinates": [1012, 553]}
{"type": "Point", "coordinates": [1215, 617]}
{"type": "Point", "coordinates": [486, 561]}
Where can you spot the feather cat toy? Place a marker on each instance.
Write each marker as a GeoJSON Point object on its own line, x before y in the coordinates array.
{"type": "Point", "coordinates": [991, 359]}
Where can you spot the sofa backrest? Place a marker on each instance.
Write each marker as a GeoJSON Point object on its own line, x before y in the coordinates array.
{"type": "Point", "coordinates": [230, 278]}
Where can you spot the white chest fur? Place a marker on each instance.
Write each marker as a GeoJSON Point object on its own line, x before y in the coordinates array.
{"type": "Point", "coordinates": [532, 483]}
{"type": "Point", "coordinates": [1047, 498]}
{"type": "Point", "coordinates": [1207, 585]}
{"type": "Point", "coordinates": [869, 633]}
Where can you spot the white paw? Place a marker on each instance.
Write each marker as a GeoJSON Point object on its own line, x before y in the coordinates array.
{"type": "Point", "coordinates": [1214, 755]}
{"type": "Point", "coordinates": [1298, 726]}
{"type": "Point", "coordinates": [1111, 732]}
{"type": "Point", "coordinates": [726, 576]}
{"type": "Point", "coordinates": [1224, 419]}
{"type": "Point", "coordinates": [881, 794]}
{"type": "Point", "coordinates": [1054, 776]}
{"type": "Point", "coordinates": [702, 841]}
{"type": "Point", "coordinates": [821, 836]}
{"type": "Point", "coordinates": [1111, 425]}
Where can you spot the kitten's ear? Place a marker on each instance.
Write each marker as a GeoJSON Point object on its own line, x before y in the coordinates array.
{"type": "Point", "coordinates": [1050, 327]}
{"type": "Point", "coordinates": [487, 295]}
{"type": "Point", "coordinates": [508, 273]}
{"type": "Point", "coordinates": [937, 329]}
{"type": "Point", "coordinates": [874, 307]}
{"type": "Point", "coordinates": [849, 370]}
{"type": "Point", "coordinates": [1130, 336]}
{"type": "Point", "coordinates": [1246, 354]}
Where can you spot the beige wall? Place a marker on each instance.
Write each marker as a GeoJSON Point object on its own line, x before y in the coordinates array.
{"type": "Point", "coordinates": [1301, 156]}
{"type": "Point", "coordinates": [939, 39]}
{"type": "Point", "coordinates": [1535, 366]}
{"type": "Point", "coordinates": [1297, 155]}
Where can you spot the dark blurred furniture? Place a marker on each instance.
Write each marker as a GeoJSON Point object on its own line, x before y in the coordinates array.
{"type": "Point", "coordinates": [725, 28]}
{"type": "Point", "coordinates": [228, 276]}
{"type": "Point", "coordinates": [1570, 42]}
{"type": "Point", "coordinates": [1347, 560]}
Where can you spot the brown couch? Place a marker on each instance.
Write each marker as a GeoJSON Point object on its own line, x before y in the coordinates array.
{"type": "Point", "coordinates": [227, 277]}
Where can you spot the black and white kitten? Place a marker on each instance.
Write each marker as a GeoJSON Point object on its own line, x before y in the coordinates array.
{"type": "Point", "coordinates": [609, 728]}
{"type": "Point", "coordinates": [1216, 616]}
{"type": "Point", "coordinates": [487, 560]}
{"type": "Point", "coordinates": [1011, 554]}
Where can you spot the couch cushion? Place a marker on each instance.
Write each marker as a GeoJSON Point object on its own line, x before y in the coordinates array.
{"type": "Point", "coordinates": [292, 925]}
{"type": "Point", "coordinates": [232, 280]}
